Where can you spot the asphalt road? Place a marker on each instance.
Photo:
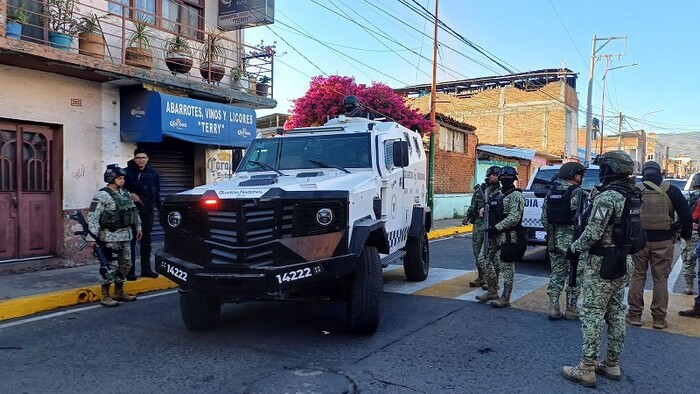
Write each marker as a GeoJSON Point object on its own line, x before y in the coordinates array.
{"type": "Point", "coordinates": [423, 345]}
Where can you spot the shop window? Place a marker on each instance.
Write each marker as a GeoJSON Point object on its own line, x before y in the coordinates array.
{"type": "Point", "coordinates": [186, 16]}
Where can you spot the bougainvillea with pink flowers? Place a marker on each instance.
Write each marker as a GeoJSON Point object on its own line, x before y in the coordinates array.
{"type": "Point", "coordinates": [325, 98]}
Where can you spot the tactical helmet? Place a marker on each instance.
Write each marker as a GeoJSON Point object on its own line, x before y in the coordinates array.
{"type": "Point", "coordinates": [571, 169]}
{"type": "Point", "coordinates": [351, 103]}
{"type": "Point", "coordinates": [614, 164]}
{"type": "Point", "coordinates": [651, 166]}
{"type": "Point", "coordinates": [493, 170]}
{"type": "Point", "coordinates": [113, 172]}
{"type": "Point", "coordinates": [508, 172]}
{"type": "Point", "coordinates": [696, 181]}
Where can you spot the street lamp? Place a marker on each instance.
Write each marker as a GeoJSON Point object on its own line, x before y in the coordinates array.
{"type": "Point", "coordinates": [602, 105]}
{"type": "Point", "coordinates": [644, 134]}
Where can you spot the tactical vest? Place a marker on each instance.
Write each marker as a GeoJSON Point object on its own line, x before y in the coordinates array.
{"type": "Point", "coordinates": [496, 212]}
{"type": "Point", "coordinates": [559, 206]}
{"type": "Point", "coordinates": [657, 212]}
{"type": "Point", "coordinates": [628, 231]}
{"type": "Point", "coordinates": [125, 215]}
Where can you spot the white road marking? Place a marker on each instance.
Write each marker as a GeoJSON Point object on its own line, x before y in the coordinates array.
{"type": "Point", "coordinates": [675, 273]}
{"type": "Point", "coordinates": [435, 276]}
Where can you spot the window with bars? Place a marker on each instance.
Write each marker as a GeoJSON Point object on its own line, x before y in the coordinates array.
{"type": "Point", "coordinates": [177, 16]}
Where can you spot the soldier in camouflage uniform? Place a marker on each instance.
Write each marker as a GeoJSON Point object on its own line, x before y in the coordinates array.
{"type": "Point", "coordinates": [475, 215]}
{"type": "Point", "coordinates": [688, 252]}
{"type": "Point", "coordinates": [563, 202]}
{"type": "Point", "coordinates": [505, 214]}
{"type": "Point", "coordinates": [111, 216]}
{"type": "Point", "coordinates": [602, 298]}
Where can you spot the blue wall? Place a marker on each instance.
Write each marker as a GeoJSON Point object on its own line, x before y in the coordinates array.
{"type": "Point", "coordinates": [445, 205]}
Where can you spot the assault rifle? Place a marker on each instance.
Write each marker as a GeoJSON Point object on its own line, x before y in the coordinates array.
{"type": "Point", "coordinates": [103, 254]}
{"type": "Point", "coordinates": [487, 222]}
{"type": "Point", "coordinates": [578, 229]}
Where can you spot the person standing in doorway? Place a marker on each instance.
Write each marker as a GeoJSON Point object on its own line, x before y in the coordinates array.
{"type": "Point", "coordinates": [662, 202]}
{"type": "Point", "coordinates": [475, 216]}
{"type": "Point", "coordinates": [114, 219]}
{"type": "Point", "coordinates": [559, 217]}
{"type": "Point", "coordinates": [143, 182]}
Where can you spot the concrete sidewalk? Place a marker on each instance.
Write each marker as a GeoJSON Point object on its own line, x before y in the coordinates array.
{"type": "Point", "coordinates": [33, 292]}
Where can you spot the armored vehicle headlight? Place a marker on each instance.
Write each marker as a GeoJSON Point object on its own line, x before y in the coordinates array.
{"type": "Point", "coordinates": [324, 216]}
{"type": "Point", "coordinates": [174, 219]}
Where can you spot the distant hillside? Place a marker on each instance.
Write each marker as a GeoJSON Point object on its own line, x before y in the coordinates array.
{"type": "Point", "coordinates": [682, 144]}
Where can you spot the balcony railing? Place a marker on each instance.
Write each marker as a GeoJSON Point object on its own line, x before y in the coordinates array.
{"type": "Point", "coordinates": [120, 34]}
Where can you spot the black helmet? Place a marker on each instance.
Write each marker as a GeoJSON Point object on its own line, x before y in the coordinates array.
{"type": "Point", "coordinates": [651, 166]}
{"type": "Point", "coordinates": [113, 172]}
{"type": "Point", "coordinates": [696, 180]}
{"type": "Point", "coordinates": [493, 170]}
{"type": "Point", "coordinates": [351, 103]}
{"type": "Point", "coordinates": [570, 170]}
{"type": "Point", "coordinates": [508, 172]}
{"type": "Point", "coordinates": [614, 164]}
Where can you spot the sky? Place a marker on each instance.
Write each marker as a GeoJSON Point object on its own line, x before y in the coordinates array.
{"type": "Point", "coordinates": [388, 42]}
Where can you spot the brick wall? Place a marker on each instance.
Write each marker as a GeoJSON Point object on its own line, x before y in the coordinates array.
{"type": "Point", "coordinates": [526, 119]}
{"type": "Point", "coordinates": [454, 172]}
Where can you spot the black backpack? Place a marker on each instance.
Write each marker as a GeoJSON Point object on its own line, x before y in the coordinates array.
{"type": "Point", "coordinates": [627, 231]}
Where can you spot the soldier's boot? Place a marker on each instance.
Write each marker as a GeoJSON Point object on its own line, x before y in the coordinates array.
{"type": "Point", "coordinates": [505, 297]}
{"type": "Point", "coordinates": [689, 288]}
{"type": "Point", "coordinates": [554, 309]}
{"type": "Point", "coordinates": [120, 295]}
{"type": "Point", "coordinates": [106, 299]}
{"type": "Point", "coordinates": [479, 281]}
{"type": "Point", "coordinates": [146, 271]}
{"type": "Point", "coordinates": [583, 374]}
{"type": "Point", "coordinates": [609, 368]}
{"type": "Point", "coordinates": [491, 292]}
{"type": "Point", "coordinates": [572, 312]}
{"type": "Point", "coordinates": [694, 312]}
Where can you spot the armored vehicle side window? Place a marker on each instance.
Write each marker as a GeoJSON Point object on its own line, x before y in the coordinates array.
{"type": "Point", "coordinates": [389, 153]}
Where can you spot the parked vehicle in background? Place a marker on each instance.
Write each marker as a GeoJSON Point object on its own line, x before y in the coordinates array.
{"type": "Point", "coordinates": [541, 181]}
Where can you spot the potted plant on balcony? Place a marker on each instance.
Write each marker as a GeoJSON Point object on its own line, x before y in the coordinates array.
{"type": "Point", "coordinates": [213, 55]}
{"type": "Point", "coordinates": [91, 41]}
{"type": "Point", "coordinates": [62, 27]}
{"type": "Point", "coordinates": [178, 54]}
{"type": "Point", "coordinates": [262, 88]}
{"type": "Point", "coordinates": [138, 52]}
{"type": "Point", "coordinates": [15, 19]}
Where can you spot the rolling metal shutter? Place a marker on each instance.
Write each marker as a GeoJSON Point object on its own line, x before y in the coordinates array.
{"type": "Point", "coordinates": [174, 161]}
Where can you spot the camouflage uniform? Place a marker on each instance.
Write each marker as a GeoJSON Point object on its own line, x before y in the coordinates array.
{"type": "Point", "coordinates": [602, 298]}
{"type": "Point", "coordinates": [690, 259]}
{"type": "Point", "coordinates": [513, 208]}
{"type": "Point", "coordinates": [559, 238]}
{"type": "Point", "coordinates": [118, 240]}
{"type": "Point", "coordinates": [478, 202]}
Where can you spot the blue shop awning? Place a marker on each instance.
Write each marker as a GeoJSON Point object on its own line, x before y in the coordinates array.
{"type": "Point", "coordinates": [147, 116]}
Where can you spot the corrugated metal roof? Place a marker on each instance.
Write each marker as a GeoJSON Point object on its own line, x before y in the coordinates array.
{"type": "Point", "coordinates": [518, 153]}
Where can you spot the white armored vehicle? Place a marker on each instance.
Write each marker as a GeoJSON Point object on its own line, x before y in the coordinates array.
{"type": "Point", "coordinates": [313, 213]}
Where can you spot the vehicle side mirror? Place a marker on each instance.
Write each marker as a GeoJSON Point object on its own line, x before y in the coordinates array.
{"type": "Point", "coordinates": [400, 153]}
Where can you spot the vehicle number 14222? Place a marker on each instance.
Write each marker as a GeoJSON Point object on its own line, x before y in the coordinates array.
{"type": "Point", "coordinates": [294, 275]}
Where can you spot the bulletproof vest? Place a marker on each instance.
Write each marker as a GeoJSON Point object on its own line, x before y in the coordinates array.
{"type": "Point", "coordinates": [125, 214]}
{"type": "Point", "coordinates": [559, 206]}
{"type": "Point", "coordinates": [656, 212]}
{"type": "Point", "coordinates": [496, 212]}
{"type": "Point", "coordinates": [628, 231]}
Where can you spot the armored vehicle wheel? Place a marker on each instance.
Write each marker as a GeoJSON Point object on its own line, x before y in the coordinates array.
{"type": "Point", "coordinates": [365, 293]}
{"type": "Point", "coordinates": [199, 312]}
{"type": "Point", "coordinates": [416, 263]}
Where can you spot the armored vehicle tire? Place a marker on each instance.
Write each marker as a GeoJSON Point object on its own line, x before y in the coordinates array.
{"type": "Point", "coordinates": [365, 293]}
{"type": "Point", "coordinates": [416, 263]}
{"type": "Point", "coordinates": [199, 312]}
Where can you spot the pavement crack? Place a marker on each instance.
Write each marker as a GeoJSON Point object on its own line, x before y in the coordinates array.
{"type": "Point", "coordinates": [388, 383]}
{"type": "Point", "coordinates": [408, 334]}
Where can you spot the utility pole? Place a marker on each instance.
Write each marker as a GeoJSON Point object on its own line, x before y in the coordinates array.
{"type": "Point", "coordinates": [433, 97]}
{"type": "Point", "coordinates": [589, 106]}
{"type": "Point", "coordinates": [619, 131]}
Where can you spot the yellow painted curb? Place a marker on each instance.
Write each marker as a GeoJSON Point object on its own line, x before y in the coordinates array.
{"type": "Point", "coordinates": [23, 306]}
{"type": "Point", "coordinates": [446, 232]}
